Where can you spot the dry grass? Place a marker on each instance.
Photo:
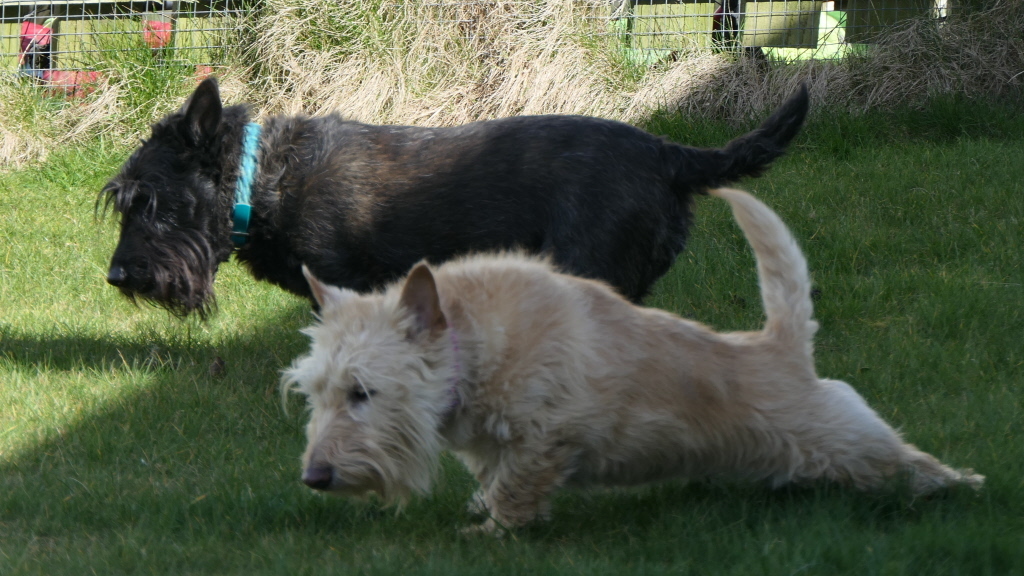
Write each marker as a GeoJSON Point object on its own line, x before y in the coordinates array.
{"type": "Point", "coordinates": [426, 64]}
{"type": "Point", "coordinates": [383, 62]}
{"type": "Point", "coordinates": [978, 55]}
{"type": "Point", "coordinates": [535, 58]}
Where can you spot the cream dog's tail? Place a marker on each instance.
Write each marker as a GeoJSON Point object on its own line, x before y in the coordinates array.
{"type": "Point", "coordinates": [781, 268]}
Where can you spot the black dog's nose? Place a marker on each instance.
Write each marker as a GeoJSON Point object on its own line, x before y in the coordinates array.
{"type": "Point", "coordinates": [117, 275]}
{"type": "Point", "coordinates": [317, 477]}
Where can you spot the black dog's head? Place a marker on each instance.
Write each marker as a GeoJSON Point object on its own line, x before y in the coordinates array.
{"type": "Point", "coordinates": [175, 216]}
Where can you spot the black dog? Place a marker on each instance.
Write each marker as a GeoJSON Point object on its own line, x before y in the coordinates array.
{"type": "Point", "coordinates": [360, 204]}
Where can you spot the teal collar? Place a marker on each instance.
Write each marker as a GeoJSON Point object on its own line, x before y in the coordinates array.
{"type": "Point", "coordinates": [242, 211]}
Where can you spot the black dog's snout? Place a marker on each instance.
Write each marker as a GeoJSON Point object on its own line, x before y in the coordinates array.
{"type": "Point", "coordinates": [117, 276]}
{"type": "Point", "coordinates": [317, 477]}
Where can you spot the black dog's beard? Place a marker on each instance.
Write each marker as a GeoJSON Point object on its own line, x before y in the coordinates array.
{"type": "Point", "coordinates": [181, 269]}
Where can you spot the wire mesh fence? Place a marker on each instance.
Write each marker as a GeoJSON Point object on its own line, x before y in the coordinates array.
{"type": "Point", "coordinates": [62, 43]}
{"type": "Point", "coordinates": [65, 43]}
{"type": "Point", "coordinates": [650, 30]}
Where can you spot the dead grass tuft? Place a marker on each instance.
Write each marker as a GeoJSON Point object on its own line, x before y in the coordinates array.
{"type": "Point", "coordinates": [423, 63]}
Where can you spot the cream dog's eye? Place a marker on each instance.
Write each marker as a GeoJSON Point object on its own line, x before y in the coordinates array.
{"type": "Point", "coordinates": [360, 393]}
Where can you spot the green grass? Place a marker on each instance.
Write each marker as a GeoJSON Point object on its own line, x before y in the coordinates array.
{"type": "Point", "coordinates": [119, 452]}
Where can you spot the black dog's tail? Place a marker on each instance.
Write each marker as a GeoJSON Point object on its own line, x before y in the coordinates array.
{"type": "Point", "coordinates": [748, 155]}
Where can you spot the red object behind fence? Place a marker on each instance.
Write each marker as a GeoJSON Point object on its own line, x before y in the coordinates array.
{"type": "Point", "coordinates": [203, 72]}
{"type": "Point", "coordinates": [33, 37]}
{"type": "Point", "coordinates": [157, 34]}
{"type": "Point", "coordinates": [72, 83]}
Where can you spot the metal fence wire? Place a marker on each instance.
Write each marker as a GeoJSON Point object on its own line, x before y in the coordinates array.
{"type": "Point", "coordinates": [787, 29]}
{"type": "Point", "coordinates": [63, 43]}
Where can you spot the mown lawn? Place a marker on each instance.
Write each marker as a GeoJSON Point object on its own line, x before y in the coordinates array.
{"type": "Point", "coordinates": [120, 451]}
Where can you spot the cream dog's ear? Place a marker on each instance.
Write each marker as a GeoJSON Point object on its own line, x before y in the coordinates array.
{"type": "Point", "coordinates": [326, 295]}
{"type": "Point", "coordinates": [419, 296]}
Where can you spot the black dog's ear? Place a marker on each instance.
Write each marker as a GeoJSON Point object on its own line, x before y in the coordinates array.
{"type": "Point", "coordinates": [202, 112]}
{"type": "Point", "coordinates": [419, 296]}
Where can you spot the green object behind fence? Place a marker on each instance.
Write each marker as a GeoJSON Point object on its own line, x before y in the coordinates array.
{"type": "Point", "coordinates": [866, 19]}
{"type": "Point", "coordinates": [781, 24]}
{"type": "Point", "coordinates": [672, 26]}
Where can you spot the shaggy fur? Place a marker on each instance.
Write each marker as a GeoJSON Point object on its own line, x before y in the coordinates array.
{"type": "Point", "coordinates": [538, 379]}
{"type": "Point", "coordinates": [360, 204]}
